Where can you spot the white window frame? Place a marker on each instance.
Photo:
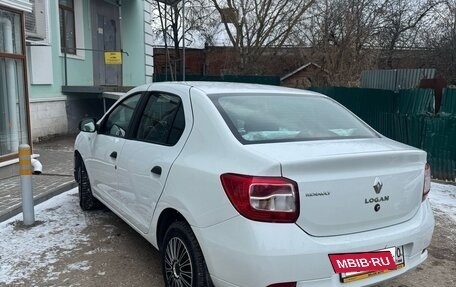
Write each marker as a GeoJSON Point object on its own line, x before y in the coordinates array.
{"type": "Point", "coordinates": [79, 29]}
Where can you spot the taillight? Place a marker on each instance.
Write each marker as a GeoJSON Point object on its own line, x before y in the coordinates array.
{"type": "Point", "coordinates": [267, 199]}
{"type": "Point", "coordinates": [427, 181]}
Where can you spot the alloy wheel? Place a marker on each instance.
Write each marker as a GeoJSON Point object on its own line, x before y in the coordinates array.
{"type": "Point", "coordinates": [178, 264]}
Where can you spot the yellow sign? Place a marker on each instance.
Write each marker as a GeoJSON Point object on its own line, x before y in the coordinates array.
{"type": "Point", "coordinates": [113, 58]}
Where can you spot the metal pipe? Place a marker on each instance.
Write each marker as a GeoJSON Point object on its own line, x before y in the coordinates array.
{"type": "Point", "coordinates": [166, 45]}
{"type": "Point", "coordinates": [65, 64]}
{"type": "Point", "coordinates": [183, 40]}
{"type": "Point", "coordinates": [11, 78]}
{"type": "Point", "coordinates": [119, 3]}
{"type": "Point", "coordinates": [37, 167]}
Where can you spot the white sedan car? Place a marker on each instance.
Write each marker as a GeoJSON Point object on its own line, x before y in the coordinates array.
{"type": "Point", "coordinates": [261, 186]}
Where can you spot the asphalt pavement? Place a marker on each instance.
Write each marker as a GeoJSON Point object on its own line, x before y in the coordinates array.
{"type": "Point", "coordinates": [56, 156]}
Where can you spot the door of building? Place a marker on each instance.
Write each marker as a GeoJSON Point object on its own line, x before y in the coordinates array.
{"type": "Point", "coordinates": [106, 38]}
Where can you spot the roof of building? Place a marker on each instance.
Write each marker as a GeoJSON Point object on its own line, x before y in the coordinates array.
{"type": "Point", "coordinates": [302, 68]}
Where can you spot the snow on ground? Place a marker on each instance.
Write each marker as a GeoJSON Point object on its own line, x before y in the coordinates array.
{"type": "Point", "coordinates": [58, 231]}
{"type": "Point", "coordinates": [443, 199]}
{"type": "Point", "coordinates": [60, 226]}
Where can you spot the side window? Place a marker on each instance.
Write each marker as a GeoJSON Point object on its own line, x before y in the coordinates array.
{"type": "Point", "coordinates": [67, 26]}
{"type": "Point", "coordinates": [163, 120]}
{"type": "Point", "coordinates": [118, 120]}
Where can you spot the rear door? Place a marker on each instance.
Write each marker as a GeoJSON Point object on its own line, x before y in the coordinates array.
{"type": "Point", "coordinates": [146, 159]}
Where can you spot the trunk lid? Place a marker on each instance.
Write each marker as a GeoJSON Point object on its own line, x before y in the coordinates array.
{"type": "Point", "coordinates": [348, 186]}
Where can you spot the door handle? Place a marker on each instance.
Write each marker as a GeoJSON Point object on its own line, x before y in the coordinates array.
{"type": "Point", "coordinates": [113, 155]}
{"type": "Point", "coordinates": [157, 170]}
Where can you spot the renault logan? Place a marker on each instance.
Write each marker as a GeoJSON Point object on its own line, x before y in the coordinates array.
{"type": "Point", "coordinates": [251, 185]}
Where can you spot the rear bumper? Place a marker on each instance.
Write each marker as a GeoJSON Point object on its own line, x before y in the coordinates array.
{"type": "Point", "coordinates": [240, 252]}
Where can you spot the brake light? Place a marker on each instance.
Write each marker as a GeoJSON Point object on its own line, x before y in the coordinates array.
{"type": "Point", "coordinates": [427, 181]}
{"type": "Point", "coordinates": [267, 199]}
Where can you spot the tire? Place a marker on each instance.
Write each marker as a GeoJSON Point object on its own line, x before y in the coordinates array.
{"type": "Point", "coordinates": [182, 260]}
{"type": "Point", "coordinates": [86, 199]}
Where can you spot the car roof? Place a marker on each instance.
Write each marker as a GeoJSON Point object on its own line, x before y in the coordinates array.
{"type": "Point", "coordinates": [217, 88]}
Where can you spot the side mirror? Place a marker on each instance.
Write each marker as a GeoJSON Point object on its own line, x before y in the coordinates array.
{"type": "Point", "coordinates": [88, 125]}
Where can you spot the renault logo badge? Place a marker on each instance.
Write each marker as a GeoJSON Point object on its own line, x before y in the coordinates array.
{"type": "Point", "coordinates": [378, 185]}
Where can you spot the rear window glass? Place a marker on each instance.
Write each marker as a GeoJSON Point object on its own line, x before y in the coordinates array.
{"type": "Point", "coordinates": [281, 118]}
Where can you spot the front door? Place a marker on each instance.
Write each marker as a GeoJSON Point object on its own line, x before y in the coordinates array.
{"type": "Point", "coordinates": [107, 148]}
{"type": "Point", "coordinates": [106, 38]}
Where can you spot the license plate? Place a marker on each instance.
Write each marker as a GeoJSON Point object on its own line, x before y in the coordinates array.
{"type": "Point", "coordinates": [357, 266]}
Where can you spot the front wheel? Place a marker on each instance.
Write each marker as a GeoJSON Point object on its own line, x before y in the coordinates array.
{"type": "Point", "coordinates": [182, 260]}
{"type": "Point", "coordinates": [86, 199]}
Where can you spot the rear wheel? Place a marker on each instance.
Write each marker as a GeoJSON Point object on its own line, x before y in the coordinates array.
{"type": "Point", "coordinates": [86, 199]}
{"type": "Point", "coordinates": [182, 260]}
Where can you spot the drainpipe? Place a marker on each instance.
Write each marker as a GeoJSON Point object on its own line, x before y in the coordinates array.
{"type": "Point", "coordinates": [183, 40]}
{"type": "Point", "coordinates": [11, 85]}
{"type": "Point", "coordinates": [119, 3]}
{"type": "Point", "coordinates": [4, 109]}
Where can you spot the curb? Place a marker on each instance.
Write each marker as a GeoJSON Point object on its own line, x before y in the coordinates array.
{"type": "Point", "coordinates": [16, 209]}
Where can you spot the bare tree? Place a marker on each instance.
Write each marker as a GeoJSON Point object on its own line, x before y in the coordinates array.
{"type": "Point", "coordinates": [348, 36]}
{"type": "Point", "coordinates": [440, 37]}
{"type": "Point", "coordinates": [169, 13]}
{"type": "Point", "coordinates": [342, 35]}
{"type": "Point", "coordinates": [254, 26]}
{"type": "Point", "coordinates": [199, 21]}
{"type": "Point", "coordinates": [401, 24]}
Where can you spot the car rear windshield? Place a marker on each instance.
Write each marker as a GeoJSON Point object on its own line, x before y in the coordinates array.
{"type": "Point", "coordinates": [283, 118]}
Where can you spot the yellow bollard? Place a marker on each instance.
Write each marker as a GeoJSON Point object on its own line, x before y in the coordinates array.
{"type": "Point", "coordinates": [25, 171]}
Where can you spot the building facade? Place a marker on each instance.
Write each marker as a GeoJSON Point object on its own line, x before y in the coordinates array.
{"type": "Point", "coordinates": [58, 57]}
{"type": "Point", "coordinates": [306, 76]}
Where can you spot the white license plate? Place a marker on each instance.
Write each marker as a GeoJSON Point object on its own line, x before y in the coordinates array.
{"type": "Point", "coordinates": [398, 256]}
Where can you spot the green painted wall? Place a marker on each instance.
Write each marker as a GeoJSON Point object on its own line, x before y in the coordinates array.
{"type": "Point", "coordinates": [79, 70]}
{"type": "Point", "coordinates": [133, 43]}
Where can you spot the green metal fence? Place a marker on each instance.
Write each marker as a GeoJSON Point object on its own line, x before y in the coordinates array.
{"type": "Point", "coordinates": [407, 116]}
{"type": "Point", "coordinates": [415, 101]}
{"type": "Point", "coordinates": [440, 143]}
{"type": "Point", "coordinates": [448, 106]}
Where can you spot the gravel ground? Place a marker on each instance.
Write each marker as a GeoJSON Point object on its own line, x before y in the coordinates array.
{"type": "Point", "coordinates": [439, 270]}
